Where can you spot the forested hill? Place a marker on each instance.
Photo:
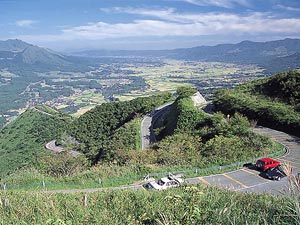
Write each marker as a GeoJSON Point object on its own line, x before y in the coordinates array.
{"type": "Point", "coordinates": [273, 102]}
{"type": "Point", "coordinates": [24, 138]}
{"type": "Point", "coordinates": [95, 129]}
{"type": "Point", "coordinates": [283, 86]}
{"type": "Point", "coordinates": [18, 56]}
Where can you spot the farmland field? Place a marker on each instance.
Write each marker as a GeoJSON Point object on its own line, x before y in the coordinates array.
{"type": "Point", "coordinates": [77, 92]}
{"type": "Point", "coordinates": [206, 76]}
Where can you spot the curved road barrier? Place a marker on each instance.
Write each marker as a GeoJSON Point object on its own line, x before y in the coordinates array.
{"type": "Point", "coordinates": [51, 146]}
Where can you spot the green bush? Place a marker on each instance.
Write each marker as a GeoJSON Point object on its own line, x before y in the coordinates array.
{"type": "Point", "coordinates": [180, 149]}
{"type": "Point", "coordinates": [188, 116]}
{"type": "Point", "coordinates": [62, 164]}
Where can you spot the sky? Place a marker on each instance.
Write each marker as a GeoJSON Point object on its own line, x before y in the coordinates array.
{"type": "Point", "coordinates": [76, 25]}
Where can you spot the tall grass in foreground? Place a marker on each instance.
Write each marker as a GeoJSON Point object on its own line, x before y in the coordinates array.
{"type": "Point", "coordinates": [293, 192]}
{"type": "Point", "coordinates": [184, 205]}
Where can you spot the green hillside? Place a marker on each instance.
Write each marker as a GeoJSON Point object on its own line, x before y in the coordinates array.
{"type": "Point", "coordinates": [22, 139]}
{"type": "Point", "coordinates": [272, 102]}
{"type": "Point", "coordinates": [110, 133]}
{"type": "Point", "coordinates": [96, 128]}
{"type": "Point", "coordinates": [101, 131]}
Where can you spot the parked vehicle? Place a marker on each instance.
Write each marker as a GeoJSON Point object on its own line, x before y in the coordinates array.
{"type": "Point", "coordinates": [266, 163]}
{"type": "Point", "coordinates": [276, 173]}
{"type": "Point", "coordinates": [165, 183]}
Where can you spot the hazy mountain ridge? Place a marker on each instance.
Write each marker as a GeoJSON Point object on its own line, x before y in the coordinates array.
{"type": "Point", "coordinates": [245, 52]}
{"type": "Point", "coordinates": [18, 55]}
{"type": "Point", "coordinates": [13, 45]}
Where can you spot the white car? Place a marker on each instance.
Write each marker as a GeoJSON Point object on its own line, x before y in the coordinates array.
{"type": "Point", "coordinates": [165, 183]}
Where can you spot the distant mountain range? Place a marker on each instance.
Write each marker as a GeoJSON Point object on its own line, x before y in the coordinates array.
{"type": "Point", "coordinates": [273, 55]}
{"type": "Point", "coordinates": [246, 51]}
{"type": "Point", "coordinates": [264, 54]}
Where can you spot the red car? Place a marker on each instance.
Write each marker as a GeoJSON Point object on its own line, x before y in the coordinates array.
{"type": "Point", "coordinates": [266, 163]}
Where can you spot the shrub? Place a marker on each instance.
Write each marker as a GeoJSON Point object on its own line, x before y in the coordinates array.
{"type": "Point", "coordinates": [185, 91]}
{"type": "Point", "coordinates": [62, 164]}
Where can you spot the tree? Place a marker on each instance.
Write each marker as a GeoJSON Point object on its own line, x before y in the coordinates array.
{"type": "Point", "coordinates": [185, 91]}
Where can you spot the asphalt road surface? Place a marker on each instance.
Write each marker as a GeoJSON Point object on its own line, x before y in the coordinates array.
{"type": "Point", "coordinates": [251, 180]}
{"type": "Point", "coordinates": [147, 135]}
{"type": "Point", "coordinates": [51, 146]}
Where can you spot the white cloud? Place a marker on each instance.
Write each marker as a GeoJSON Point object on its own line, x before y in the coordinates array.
{"type": "Point", "coordinates": [218, 3]}
{"type": "Point", "coordinates": [288, 8]}
{"type": "Point", "coordinates": [204, 24]}
{"type": "Point", "coordinates": [169, 23]}
{"type": "Point", "coordinates": [25, 23]}
{"type": "Point", "coordinates": [140, 11]}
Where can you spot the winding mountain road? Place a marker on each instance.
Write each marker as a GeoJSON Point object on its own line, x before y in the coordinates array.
{"type": "Point", "coordinates": [51, 146]}
{"type": "Point", "coordinates": [243, 180]}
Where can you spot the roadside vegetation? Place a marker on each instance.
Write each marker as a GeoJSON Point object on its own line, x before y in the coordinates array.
{"type": "Point", "coordinates": [273, 102]}
{"type": "Point", "coordinates": [101, 132]}
{"type": "Point", "coordinates": [201, 139]}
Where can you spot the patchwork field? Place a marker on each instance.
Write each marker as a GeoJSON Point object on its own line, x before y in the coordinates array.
{"type": "Point", "coordinates": [206, 76]}
{"type": "Point", "coordinates": [77, 92]}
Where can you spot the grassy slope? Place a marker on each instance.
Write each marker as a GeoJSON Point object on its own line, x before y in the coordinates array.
{"type": "Point", "coordinates": [186, 205]}
{"type": "Point", "coordinates": [24, 137]}
{"type": "Point", "coordinates": [33, 129]}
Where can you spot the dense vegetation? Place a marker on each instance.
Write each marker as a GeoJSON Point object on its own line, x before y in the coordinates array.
{"type": "Point", "coordinates": [10, 94]}
{"type": "Point", "coordinates": [110, 133]}
{"type": "Point", "coordinates": [272, 102]}
{"type": "Point", "coordinates": [22, 139]}
{"type": "Point", "coordinates": [96, 128]}
{"type": "Point", "coordinates": [186, 205]}
{"type": "Point", "coordinates": [199, 139]}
